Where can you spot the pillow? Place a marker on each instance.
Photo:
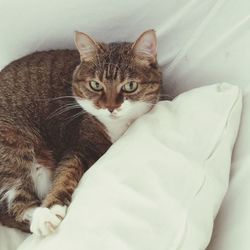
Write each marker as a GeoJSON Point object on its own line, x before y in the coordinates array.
{"type": "Point", "coordinates": [11, 238]}
{"type": "Point", "coordinates": [232, 224]}
{"type": "Point", "coordinates": [160, 185]}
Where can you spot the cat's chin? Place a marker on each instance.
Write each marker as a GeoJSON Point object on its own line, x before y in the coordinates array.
{"type": "Point", "coordinates": [128, 112]}
{"type": "Point", "coordinates": [106, 115]}
{"type": "Point", "coordinates": [112, 117]}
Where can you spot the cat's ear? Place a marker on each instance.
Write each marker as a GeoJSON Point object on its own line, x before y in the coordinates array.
{"type": "Point", "coordinates": [86, 46]}
{"type": "Point", "coordinates": [145, 47]}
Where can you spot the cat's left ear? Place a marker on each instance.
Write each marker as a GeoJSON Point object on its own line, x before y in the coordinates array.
{"type": "Point", "coordinates": [145, 47]}
{"type": "Point", "coordinates": [86, 46]}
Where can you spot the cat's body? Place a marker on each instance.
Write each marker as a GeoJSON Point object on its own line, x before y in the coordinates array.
{"type": "Point", "coordinates": [55, 122]}
{"type": "Point", "coordinates": [31, 108]}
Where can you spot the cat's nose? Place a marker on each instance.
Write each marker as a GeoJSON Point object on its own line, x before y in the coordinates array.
{"type": "Point", "coordinates": [111, 110]}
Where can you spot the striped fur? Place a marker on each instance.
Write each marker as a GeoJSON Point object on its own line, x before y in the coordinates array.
{"type": "Point", "coordinates": [47, 139]}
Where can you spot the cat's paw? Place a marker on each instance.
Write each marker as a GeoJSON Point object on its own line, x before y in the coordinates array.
{"type": "Point", "coordinates": [59, 211]}
{"type": "Point", "coordinates": [46, 220]}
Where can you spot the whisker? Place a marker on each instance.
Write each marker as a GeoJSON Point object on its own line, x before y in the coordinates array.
{"type": "Point", "coordinates": [59, 98]}
{"type": "Point", "coordinates": [53, 99]}
{"type": "Point", "coordinates": [74, 117]}
{"type": "Point", "coordinates": [62, 97]}
{"type": "Point", "coordinates": [165, 95]}
{"type": "Point", "coordinates": [153, 104]}
{"type": "Point", "coordinates": [62, 110]}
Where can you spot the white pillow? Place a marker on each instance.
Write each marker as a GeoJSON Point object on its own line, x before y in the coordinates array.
{"type": "Point", "coordinates": [159, 186]}
{"type": "Point", "coordinates": [11, 238]}
{"type": "Point", "coordinates": [232, 224]}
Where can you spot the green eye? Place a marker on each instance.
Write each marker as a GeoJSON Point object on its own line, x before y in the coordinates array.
{"type": "Point", "coordinates": [130, 87]}
{"type": "Point", "coordinates": [96, 86]}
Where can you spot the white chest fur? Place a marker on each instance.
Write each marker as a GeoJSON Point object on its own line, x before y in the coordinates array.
{"type": "Point", "coordinates": [117, 123]}
{"type": "Point", "coordinates": [42, 178]}
{"type": "Point", "coordinates": [115, 127]}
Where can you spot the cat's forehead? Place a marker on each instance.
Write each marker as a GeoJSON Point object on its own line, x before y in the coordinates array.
{"type": "Point", "coordinates": [117, 52]}
{"type": "Point", "coordinates": [113, 63]}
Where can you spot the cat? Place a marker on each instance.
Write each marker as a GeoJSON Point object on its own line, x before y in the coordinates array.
{"type": "Point", "coordinates": [60, 111]}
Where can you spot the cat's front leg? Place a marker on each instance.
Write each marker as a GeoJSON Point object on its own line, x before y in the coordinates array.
{"type": "Point", "coordinates": [46, 218]}
{"type": "Point", "coordinates": [88, 147]}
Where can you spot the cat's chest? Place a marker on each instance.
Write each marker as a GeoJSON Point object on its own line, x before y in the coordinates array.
{"type": "Point", "coordinates": [115, 127]}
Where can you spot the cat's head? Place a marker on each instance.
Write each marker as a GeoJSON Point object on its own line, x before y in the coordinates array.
{"type": "Point", "coordinates": [118, 80]}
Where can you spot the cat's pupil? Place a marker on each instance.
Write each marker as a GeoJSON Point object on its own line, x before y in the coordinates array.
{"type": "Point", "coordinates": [131, 85]}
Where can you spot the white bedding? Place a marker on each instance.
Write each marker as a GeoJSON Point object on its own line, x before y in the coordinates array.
{"type": "Point", "coordinates": [160, 185]}
{"type": "Point", "coordinates": [200, 42]}
{"type": "Point", "coordinates": [232, 225]}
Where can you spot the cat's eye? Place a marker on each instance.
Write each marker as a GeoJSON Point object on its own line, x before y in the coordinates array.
{"type": "Point", "coordinates": [96, 86]}
{"type": "Point", "coordinates": [130, 87]}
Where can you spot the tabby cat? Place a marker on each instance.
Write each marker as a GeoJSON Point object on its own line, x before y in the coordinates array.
{"type": "Point", "coordinates": [60, 111]}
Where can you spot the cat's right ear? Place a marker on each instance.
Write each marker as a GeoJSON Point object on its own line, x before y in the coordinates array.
{"type": "Point", "coordinates": [86, 46]}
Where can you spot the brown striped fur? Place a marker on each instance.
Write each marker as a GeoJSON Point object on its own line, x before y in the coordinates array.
{"type": "Point", "coordinates": [40, 120]}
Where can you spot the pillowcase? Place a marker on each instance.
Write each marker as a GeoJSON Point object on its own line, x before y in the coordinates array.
{"type": "Point", "coordinates": [159, 186]}
{"type": "Point", "coordinates": [232, 224]}
{"type": "Point", "coordinates": [11, 238]}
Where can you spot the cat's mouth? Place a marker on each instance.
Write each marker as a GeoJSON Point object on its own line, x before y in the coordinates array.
{"type": "Point", "coordinates": [114, 116]}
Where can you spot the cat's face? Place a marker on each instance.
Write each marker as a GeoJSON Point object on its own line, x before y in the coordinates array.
{"type": "Point", "coordinates": [117, 80]}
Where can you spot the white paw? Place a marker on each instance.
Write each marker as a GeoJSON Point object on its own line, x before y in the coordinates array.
{"type": "Point", "coordinates": [59, 211]}
{"type": "Point", "coordinates": [45, 220]}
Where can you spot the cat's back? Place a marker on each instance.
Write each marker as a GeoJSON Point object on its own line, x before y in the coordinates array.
{"type": "Point", "coordinates": [38, 76]}
{"type": "Point", "coordinates": [39, 66]}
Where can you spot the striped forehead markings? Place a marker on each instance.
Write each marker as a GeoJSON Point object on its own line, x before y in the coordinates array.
{"type": "Point", "coordinates": [111, 72]}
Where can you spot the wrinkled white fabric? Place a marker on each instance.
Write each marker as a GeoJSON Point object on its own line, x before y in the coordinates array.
{"type": "Point", "coordinates": [232, 226]}
{"type": "Point", "coordinates": [10, 238]}
{"type": "Point", "coordinates": [161, 184]}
